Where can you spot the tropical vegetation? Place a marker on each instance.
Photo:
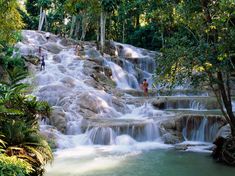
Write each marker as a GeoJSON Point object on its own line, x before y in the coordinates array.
{"type": "Point", "coordinates": [23, 150]}
{"type": "Point", "coordinates": [196, 39]}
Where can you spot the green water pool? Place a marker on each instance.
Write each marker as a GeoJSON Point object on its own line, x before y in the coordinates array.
{"type": "Point", "coordinates": [158, 162]}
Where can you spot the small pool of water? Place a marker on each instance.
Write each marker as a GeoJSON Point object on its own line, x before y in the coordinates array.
{"type": "Point", "coordinates": [158, 162]}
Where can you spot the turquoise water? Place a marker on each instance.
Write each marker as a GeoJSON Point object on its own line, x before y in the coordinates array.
{"type": "Point", "coordinates": [157, 162]}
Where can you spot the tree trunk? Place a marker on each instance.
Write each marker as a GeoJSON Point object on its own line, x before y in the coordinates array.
{"type": "Point", "coordinates": [41, 19]}
{"type": "Point", "coordinates": [102, 29]}
{"type": "Point", "coordinates": [85, 22]}
{"type": "Point", "coordinates": [72, 26]}
{"type": "Point", "coordinates": [98, 34]}
{"type": "Point", "coordinates": [46, 23]}
{"type": "Point", "coordinates": [225, 95]}
{"type": "Point", "coordinates": [77, 29]}
{"type": "Point", "coordinates": [137, 23]}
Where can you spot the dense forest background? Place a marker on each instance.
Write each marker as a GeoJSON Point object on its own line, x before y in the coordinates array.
{"type": "Point", "coordinates": [137, 22]}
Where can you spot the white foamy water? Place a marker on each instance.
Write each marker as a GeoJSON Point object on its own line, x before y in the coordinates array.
{"type": "Point", "coordinates": [119, 75]}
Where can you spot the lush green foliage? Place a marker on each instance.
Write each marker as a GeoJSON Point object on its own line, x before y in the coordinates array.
{"type": "Point", "coordinates": [10, 21]}
{"type": "Point", "coordinates": [19, 122]}
{"type": "Point", "coordinates": [200, 48]}
{"type": "Point", "coordinates": [13, 166]}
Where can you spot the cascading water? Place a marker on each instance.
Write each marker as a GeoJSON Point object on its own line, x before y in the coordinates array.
{"type": "Point", "coordinates": [143, 60]}
{"type": "Point", "coordinates": [145, 131]}
{"type": "Point", "coordinates": [195, 105]}
{"type": "Point", "coordinates": [96, 129]}
{"type": "Point", "coordinates": [200, 129]}
{"type": "Point", "coordinates": [63, 85]}
{"type": "Point", "coordinates": [132, 75]}
{"type": "Point", "coordinates": [119, 75]}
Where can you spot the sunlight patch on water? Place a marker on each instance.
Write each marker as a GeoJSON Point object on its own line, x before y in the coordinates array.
{"type": "Point", "coordinates": [90, 158]}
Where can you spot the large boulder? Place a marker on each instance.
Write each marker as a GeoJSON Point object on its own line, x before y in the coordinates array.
{"type": "Point", "coordinates": [110, 48]}
{"type": "Point", "coordinates": [26, 50]}
{"type": "Point", "coordinates": [52, 47]}
{"type": "Point", "coordinates": [95, 105]}
{"type": "Point", "coordinates": [58, 119]}
{"type": "Point", "coordinates": [90, 102]}
{"type": "Point", "coordinates": [53, 93]}
{"type": "Point", "coordinates": [120, 106]}
{"type": "Point", "coordinates": [68, 42]}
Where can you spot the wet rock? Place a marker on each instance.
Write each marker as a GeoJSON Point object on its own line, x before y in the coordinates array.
{"type": "Point", "coordinates": [90, 102]}
{"type": "Point", "coordinates": [169, 138]}
{"type": "Point", "coordinates": [58, 119]}
{"type": "Point", "coordinates": [120, 106]}
{"type": "Point", "coordinates": [68, 42]}
{"type": "Point", "coordinates": [93, 54]}
{"type": "Point", "coordinates": [52, 47]}
{"type": "Point", "coordinates": [117, 61]}
{"type": "Point", "coordinates": [97, 73]}
{"type": "Point", "coordinates": [57, 58]}
{"type": "Point", "coordinates": [169, 124]}
{"type": "Point", "coordinates": [39, 36]}
{"type": "Point", "coordinates": [224, 131]}
{"type": "Point", "coordinates": [110, 48]}
{"type": "Point", "coordinates": [87, 113]}
{"type": "Point", "coordinates": [61, 68]}
{"type": "Point", "coordinates": [69, 81]}
{"type": "Point", "coordinates": [49, 133]}
{"type": "Point", "coordinates": [107, 71]}
{"type": "Point", "coordinates": [26, 50]}
{"type": "Point", "coordinates": [32, 59]}
{"type": "Point", "coordinates": [160, 104]}
{"type": "Point", "coordinates": [94, 83]}
{"type": "Point", "coordinates": [181, 147]}
{"type": "Point", "coordinates": [53, 93]}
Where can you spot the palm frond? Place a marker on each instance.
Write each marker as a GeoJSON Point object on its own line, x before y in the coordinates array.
{"type": "Point", "coordinates": [16, 75]}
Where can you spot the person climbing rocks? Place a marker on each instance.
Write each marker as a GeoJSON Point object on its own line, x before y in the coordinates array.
{"type": "Point", "coordinates": [40, 51]}
{"type": "Point", "coordinates": [145, 87]}
{"type": "Point", "coordinates": [42, 64]}
{"type": "Point", "coordinates": [47, 36]}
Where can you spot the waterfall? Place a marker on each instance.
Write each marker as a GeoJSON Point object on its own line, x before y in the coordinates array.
{"type": "Point", "coordinates": [107, 135]}
{"type": "Point", "coordinates": [102, 135]}
{"type": "Point", "coordinates": [200, 129]}
{"type": "Point", "coordinates": [119, 75]}
{"type": "Point", "coordinates": [132, 75]}
{"type": "Point", "coordinates": [196, 105]}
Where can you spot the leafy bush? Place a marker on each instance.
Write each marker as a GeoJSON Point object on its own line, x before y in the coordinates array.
{"type": "Point", "coordinates": [146, 37]}
{"type": "Point", "coordinates": [12, 166]}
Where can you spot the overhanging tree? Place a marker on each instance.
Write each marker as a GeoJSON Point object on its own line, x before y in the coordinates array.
{"type": "Point", "coordinates": [200, 49]}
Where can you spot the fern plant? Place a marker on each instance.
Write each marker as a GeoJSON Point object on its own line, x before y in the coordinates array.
{"type": "Point", "coordinates": [19, 123]}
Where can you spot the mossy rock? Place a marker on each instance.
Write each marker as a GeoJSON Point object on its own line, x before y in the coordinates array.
{"type": "Point", "coordinates": [32, 59]}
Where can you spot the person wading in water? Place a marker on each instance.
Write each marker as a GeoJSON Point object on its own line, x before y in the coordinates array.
{"type": "Point", "coordinates": [145, 87]}
{"type": "Point", "coordinates": [42, 64]}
